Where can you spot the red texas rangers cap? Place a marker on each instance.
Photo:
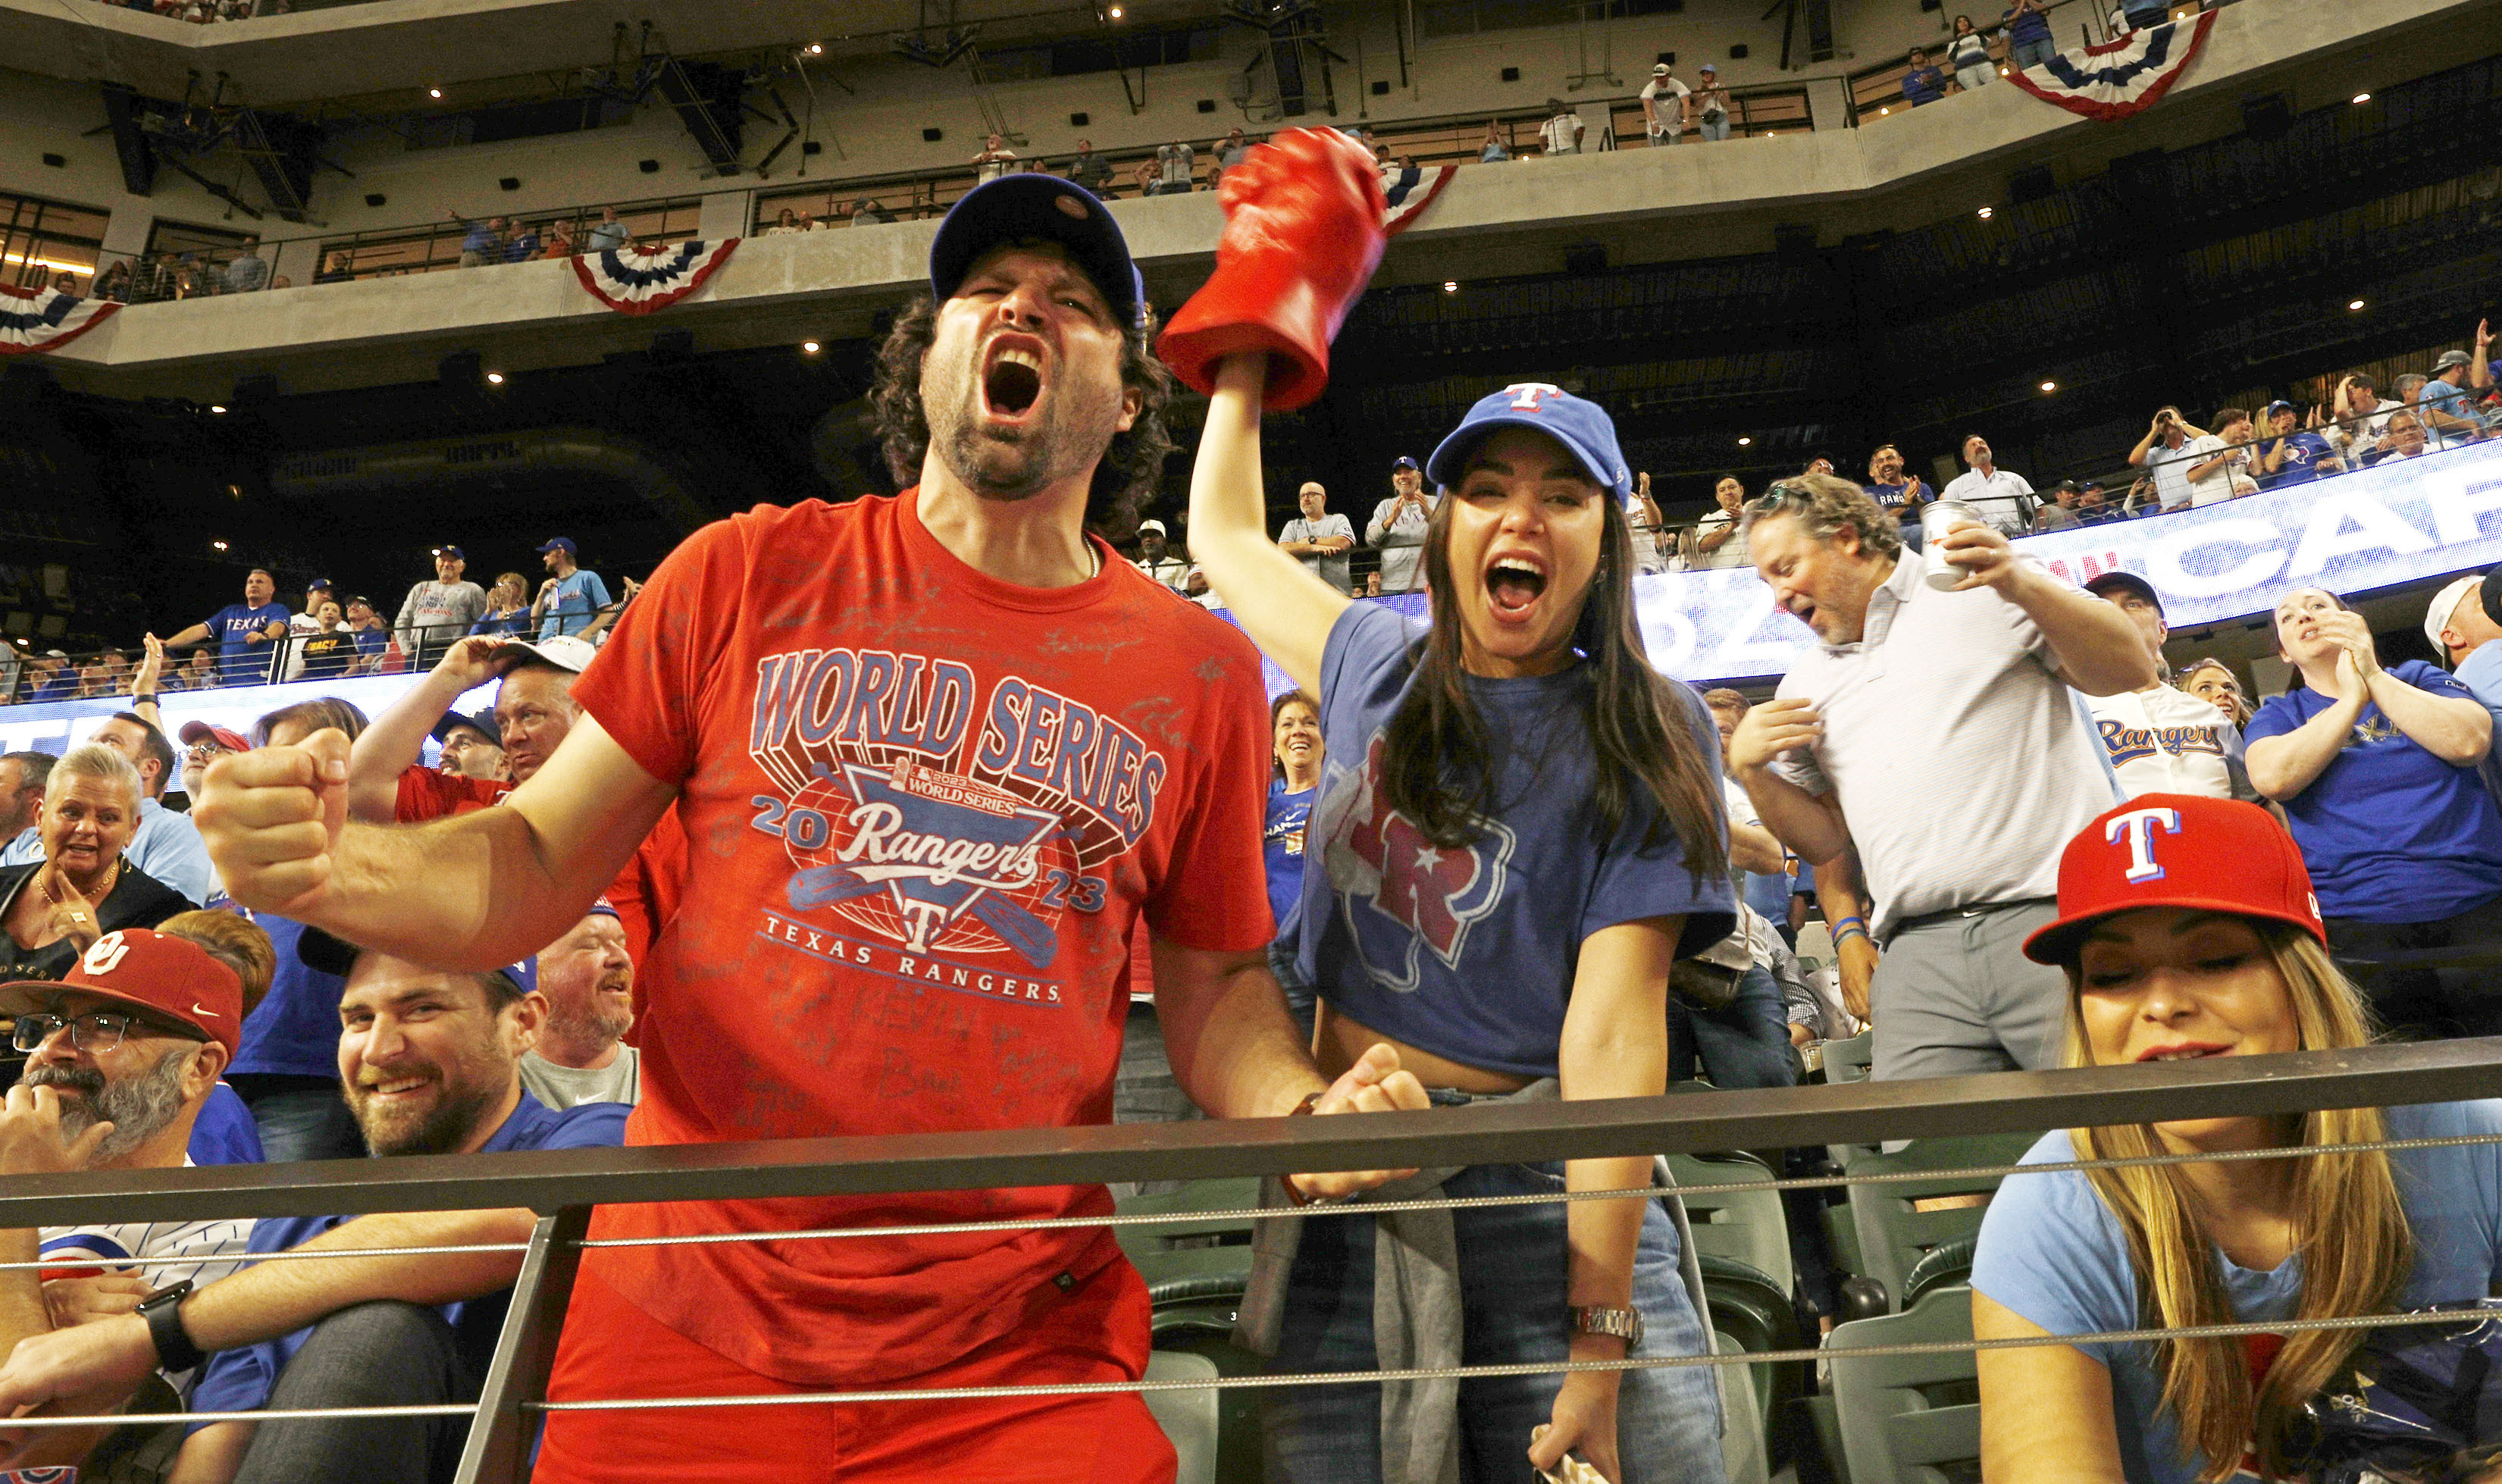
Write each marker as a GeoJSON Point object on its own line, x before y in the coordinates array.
{"type": "Point", "coordinates": [2178, 850]}
{"type": "Point", "coordinates": [174, 977]}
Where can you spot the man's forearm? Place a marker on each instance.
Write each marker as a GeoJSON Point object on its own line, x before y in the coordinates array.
{"type": "Point", "coordinates": [1801, 821]}
{"type": "Point", "coordinates": [472, 893]}
{"type": "Point", "coordinates": [2098, 648]}
{"type": "Point", "coordinates": [269, 1299]}
{"type": "Point", "coordinates": [22, 1290]}
{"type": "Point", "coordinates": [1233, 1048]}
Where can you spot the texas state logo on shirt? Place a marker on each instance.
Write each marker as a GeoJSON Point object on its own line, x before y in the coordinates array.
{"type": "Point", "coordinates": [1402, 896]}
{"type": "Point", "coordinates": [936, 833]}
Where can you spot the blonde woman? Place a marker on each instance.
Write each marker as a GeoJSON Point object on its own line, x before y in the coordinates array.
{"type": "Point", "coordinates": [508, 607]}
{"type": "Point", "coordinates": [2187, 929]}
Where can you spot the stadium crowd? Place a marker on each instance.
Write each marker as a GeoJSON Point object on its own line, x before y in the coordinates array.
{"type": "Point", "coordinates": [951, 818]}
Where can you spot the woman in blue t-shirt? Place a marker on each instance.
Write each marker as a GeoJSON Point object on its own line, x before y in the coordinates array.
{"type": "Point", "coordinates": [1518, 828]}
{"type": "Point", "coordinates": [1296, 751]}
{"type": "Point", "coordinates": [2187, 929]}
{"type": "Point", "coordinates": [2377, 770]}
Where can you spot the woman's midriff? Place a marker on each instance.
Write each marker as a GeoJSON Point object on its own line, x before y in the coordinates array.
{"type": "Point", "coordinates": [1338, 1039]}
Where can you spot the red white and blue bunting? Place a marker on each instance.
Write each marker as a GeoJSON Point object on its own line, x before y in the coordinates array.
{"type": "Point", "coordinates": [33, 320]}
{"type": "Point", "coordinates": [2119, 78]}
{"type": "Point", "coordinates": [633, 282]}
{"type": "Point", "coordinates": [1428, 187]}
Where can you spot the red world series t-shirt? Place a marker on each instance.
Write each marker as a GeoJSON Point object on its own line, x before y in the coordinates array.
{"type": "Point", "coordinates": [923, 809]}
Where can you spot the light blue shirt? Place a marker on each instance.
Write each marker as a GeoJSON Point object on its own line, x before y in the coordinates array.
{"type": "Point", "coordinates": [166, 844]}
{"type": "Point", "coordinates": [2053, 1253]}
{"type": "Point", "coordinates": [578, 600]}
{"type": "Point", "coordinates": [2481, 672]}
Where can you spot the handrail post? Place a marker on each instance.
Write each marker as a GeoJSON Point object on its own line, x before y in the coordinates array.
{"type": "Point", "coordinates": [500, 1436]}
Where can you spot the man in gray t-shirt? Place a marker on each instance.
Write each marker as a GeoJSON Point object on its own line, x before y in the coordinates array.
{"type": "Point", "coordinates": [1397, 529]}
{"type": "Point", "coordinates": [588, 982]}
{"type": "Point", "coordinates": [435, 614]}
{"type": "Point", "coordinates": [1320, 539]}
{"type": "Point", "coordinates": [1932, 736]}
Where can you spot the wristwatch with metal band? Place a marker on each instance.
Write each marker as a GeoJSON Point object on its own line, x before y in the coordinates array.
{"type": "Point", "coordinates": [1597, 1319]}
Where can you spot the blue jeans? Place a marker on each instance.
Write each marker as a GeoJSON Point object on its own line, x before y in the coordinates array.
{"type": "Point", "coordinates": [1710, 130]}
{"type": "Point", "coordinates": [1745, 1043]}
{"type": "Point", "coordinates": [2026, 54]}
{"type": "Point", "coordinates": [301, 1119]}
{"type": "Point", "coordinates": [1512, 1287]}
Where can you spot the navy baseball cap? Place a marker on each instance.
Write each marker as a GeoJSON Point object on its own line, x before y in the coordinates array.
{"type": "Point", "coordinates": [451, 551]}
{"type": "Point", "coordinates": [329, 954]}
{"type": "Point", "coordinates": [1583, 426]}
{"type": "Point", "coordinates": [2126, 581]}
{"type": "Point", "coordinates": [483, 724]}
{"type": "Point", "coordinates": [1030, 207]}
{"type": "Point", "coordinates": [1403, 462]}
{"type": "Point", "coordinates": [318, 584]}
{"type": "Point", "coordinates": [2278, 406]}
{"type": "Point", "coordinates": [562, 544]}
{"type": "Point", "coordinates": [2492, 596]}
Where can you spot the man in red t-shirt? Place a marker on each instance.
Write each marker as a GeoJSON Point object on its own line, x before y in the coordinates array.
{"type": "Point", "coordinates": [534, 712]}
{"type": "Point", "coordinates": [935, 755]}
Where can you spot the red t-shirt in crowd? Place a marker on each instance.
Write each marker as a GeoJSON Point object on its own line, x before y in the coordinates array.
{"type": "Point", "coordinates": [426, 793]}
{"type": "Point", "coordinates": [923, 808]}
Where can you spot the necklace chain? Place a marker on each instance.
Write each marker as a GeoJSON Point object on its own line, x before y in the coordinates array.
{"type": "Point", "coordinates": [112, 879]}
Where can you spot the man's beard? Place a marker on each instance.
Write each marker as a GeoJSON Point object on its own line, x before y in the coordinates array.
{"type": "Point", "coordinates": [590, 1019]}
{"type": "Point", "coordinates": [1068, 438]}
{"type": "Point", "coordinates": [442, 1130]}
{"type": "Point", "coordinates": [138, 1107]}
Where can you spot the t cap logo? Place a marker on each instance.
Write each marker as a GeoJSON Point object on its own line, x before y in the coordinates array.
{"type": "Point", "coordinates": [1525, 395]}
{"type": "Point", "coordinates": [2140, 825]}
{"type": "Point", "coordinates": [105, 954]}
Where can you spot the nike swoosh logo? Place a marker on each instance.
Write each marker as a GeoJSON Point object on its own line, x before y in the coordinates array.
{"type": "Point", "coordinates": [198, 1009]}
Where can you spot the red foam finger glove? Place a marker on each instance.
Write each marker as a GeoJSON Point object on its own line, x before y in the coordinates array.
{"type": "Point", "coordinates": [1302, 234]}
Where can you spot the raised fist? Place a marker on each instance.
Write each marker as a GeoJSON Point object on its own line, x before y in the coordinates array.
{"type": "Point", "coordinates": [1302, 234]}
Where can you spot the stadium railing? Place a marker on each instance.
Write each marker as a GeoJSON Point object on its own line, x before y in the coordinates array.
{"type": "Point", "coordinates": [563, 1187]}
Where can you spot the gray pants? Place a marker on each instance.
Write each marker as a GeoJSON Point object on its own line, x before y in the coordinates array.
{"type": "Point", "coordinates": [379, 1354]}
{"type": "Point", "coordinates": [1956, 996]}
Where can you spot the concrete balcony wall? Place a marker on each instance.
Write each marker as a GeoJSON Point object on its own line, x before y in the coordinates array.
{"type": "Point", "coordinates": [1692, 200]}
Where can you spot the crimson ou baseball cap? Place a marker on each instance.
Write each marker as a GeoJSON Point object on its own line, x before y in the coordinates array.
{"type": "Point", "coordinates": [1027, 206]}
{"type": "Point", "coordinates": [172, 978]}
{"type": "Point", "coordinates": [1583, 426]}
{"type": "Point", "coordinates": [2178, 850]}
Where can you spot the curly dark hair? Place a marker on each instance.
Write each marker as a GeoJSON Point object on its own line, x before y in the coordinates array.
{"type": "Point", "coordinates": [1125, 478]}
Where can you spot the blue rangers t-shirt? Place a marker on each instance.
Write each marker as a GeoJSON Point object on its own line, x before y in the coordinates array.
{"type": "Point", "coordinates": [578, 599]}
{"type": "Point", "coordinates": [2302, 456]}
{"type": "Point", "coordinates": [240, 660]}
{"type": "Point", "coordinates": [1469, 952]}
{"type": "Point", "coordinates": [1282, 846]}
{"type": "Point", "coordinates": [294, 1029]}
{"type": "Point", "coordinates": [224, 1132]}
{"type": "Point", "coordinates": [2390, 832]}
{"type": "Point", "coordinates": [241, 1379]}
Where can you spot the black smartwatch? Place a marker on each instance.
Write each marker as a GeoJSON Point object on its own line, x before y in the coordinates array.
{"type": "Point", "coordinates": [163, 1311]}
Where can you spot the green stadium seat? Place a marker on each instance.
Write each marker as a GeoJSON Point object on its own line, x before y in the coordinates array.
{"type": "Point", "coordinates": [1909, 1419]}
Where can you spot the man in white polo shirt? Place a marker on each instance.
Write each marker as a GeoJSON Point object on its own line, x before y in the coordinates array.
{"type": "Point", "coordinates": [2004, 495]}
{"type": "Point", "coordinates": [1934, 731]}
{"type": "Point", "coordinates": [2161, 740]}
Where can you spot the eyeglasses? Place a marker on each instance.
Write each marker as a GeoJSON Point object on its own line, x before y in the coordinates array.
{"type": "Point", "coordinates": [99, 1031]}
{"type": "Point", "coordinates": [204, 751]}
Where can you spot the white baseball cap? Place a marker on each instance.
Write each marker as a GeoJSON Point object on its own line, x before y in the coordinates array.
{"type": "Point", "coordinates": [564, 651]}
{"type": "Point", "coordinates": [1157, 527]}
{"type": "Point", "coordinates": [2443, 604]}
{"type": "Point", "coordinates": [1659, 69]}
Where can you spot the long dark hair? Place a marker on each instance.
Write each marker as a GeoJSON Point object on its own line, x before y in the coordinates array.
{"type": "Point", "coordinates": [1126, 477]}
{"type": "Point", "coordinates": [1438, 764]}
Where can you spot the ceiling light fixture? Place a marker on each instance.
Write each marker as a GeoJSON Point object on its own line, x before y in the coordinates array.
{"type": "Point", "coordinates": [2049, 385]}
{"type": "Point", "coordinates": [2362, 97]}
{"type": "Point", "coordinates": [217, 546]}
{"type": "Point", "coordinates": [215, 407]}
{"type": "Point", "coordinates": [2354, 304]}
{"type": "Point", "coordinates": [495, 378]}
{"type": "Point", "coordinates": [435, 93]}
{"type": "Point", "coordinates": [1114, 13]}
{"type": "Point", "coordinates": [1744, 442]}
{"type": "Point", "coordinates": [1882, 112]}
{"type": "Point", "coordinates": [816, 48]}
{"type": "Point", "coordinates": [1988, 211]}
{"type": "Point", "coordinates": [810, 346]}
{"type": "Point", "coordinates": [1451, 286]}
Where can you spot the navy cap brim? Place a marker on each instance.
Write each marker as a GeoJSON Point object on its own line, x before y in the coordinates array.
{"type": "Point", "coordinates": [1028, 207]}
{"type": "Point", "coordinates": [1450, 456]}
{"type": "Point", "coordinates": [2130, 580]}
{"type": "Point", "coordinates": [2491, 593]}
{"type": "Point", "coordinates": [483, 724]}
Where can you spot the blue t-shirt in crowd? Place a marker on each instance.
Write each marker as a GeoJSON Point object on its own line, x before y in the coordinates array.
{"type": "Point", "coordinates": [2303, 452]}
{"type": "Point", "coordinates": [2051, 1252]}
{"type": "Point", "coordinates": [1282, 846]}
{"type": "Point", "coordinates": [479, 237]}
{"type": "Point", "coordinates": [1925, 84]}
{"type": "Point", "coordinates": [2390, 832]}
{"type": "Point", "coordinates": [1469, 952]}
{"type": "Point", "coordinates": [225, 1132]}
{"type": "Point", "coordinates": [2025, 27]}
{"type": "Point", "coordinates": [294, 1029]}
{"type": "Point", "coordinates": [241, 661]}
{"type": "Point", "coordinates": [2481, 672]}
{"type": "Point", "coordinates": [371, 644]}
{"type": "Point", "coordinates": [578, 599]}
{"type": "Point", "coordinates": [2451, 401]}
{"type": "Point", "coordinates": [517, 621]}
{"type": "Point", "coordinates": [240, 1380]}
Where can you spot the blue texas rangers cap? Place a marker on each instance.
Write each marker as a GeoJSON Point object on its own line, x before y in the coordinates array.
{"type": "Point", "coordinates": [562, 544]}
{"type": "Point", "coordinates": [1030, 207]}
{"type": "Point", "coordinates": [1581, 426]}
